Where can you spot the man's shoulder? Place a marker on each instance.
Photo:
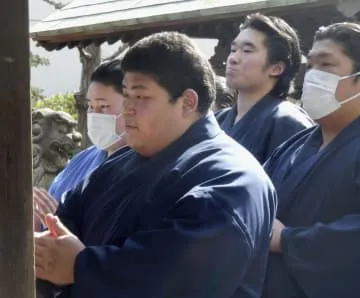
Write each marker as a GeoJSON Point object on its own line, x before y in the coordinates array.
{"type": "Point", "coordinates": [221, 154]}
{"type": "Point", "coordinates": [299, 138]}
{"type": "Point", "coordinates": [289, 112]}
{"type": "Point", "coordinates": [221, 114]}
{"type": "Point", "coordinates": [290, 146]}
{"type": "Point", "coordinates": [225, 174]}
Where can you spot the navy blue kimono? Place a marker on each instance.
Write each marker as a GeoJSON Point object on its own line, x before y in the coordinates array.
{"type": "Point", "coordinates": [268, 124]}
{"type": "Point", "coordinates": [193, 221]}
{"type": "Point", "coordinates": [319, 203]}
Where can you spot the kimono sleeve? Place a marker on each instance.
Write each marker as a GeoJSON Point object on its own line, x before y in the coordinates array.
{"type": "Point", "coordinates": [324, 259]}
{"type": "Point", "coordinates": [70, 207]}
{"type": "Point", "coordinates": [198, 250]}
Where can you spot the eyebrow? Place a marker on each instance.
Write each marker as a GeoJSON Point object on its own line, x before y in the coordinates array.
{"type": "Point", "coordinates": [136, 87]}
{"type": "Point", "coordinates": [320, 55]}
{"type": "Point", "coordinates": [97, 99]}
{"type": "Point", "coordinates": [243, 44]}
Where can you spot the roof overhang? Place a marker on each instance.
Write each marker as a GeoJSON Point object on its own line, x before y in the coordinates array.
{"type": "Point", "coordinates": [111, 21]}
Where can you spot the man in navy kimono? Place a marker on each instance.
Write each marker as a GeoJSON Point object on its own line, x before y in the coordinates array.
{"type": "Point", "coordinates": [104, 127]}
{"type": "Point", "coordinates": [187, 213]}
{"type": "Point", "coordinates": [264, 59]}
{"type": "Point", "coordinates": [316, 238]}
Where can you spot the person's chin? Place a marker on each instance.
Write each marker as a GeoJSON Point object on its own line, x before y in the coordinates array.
{"type": "Point", "coordinates": [131, 138]}
{"type": "Point", "coordinates": [232, 84]}
{"type": "Point", "coordinates": [230, 80]}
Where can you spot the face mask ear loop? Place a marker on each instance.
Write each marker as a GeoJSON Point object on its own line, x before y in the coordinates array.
{"type": "Point", "coordinates": [350, 76]}
{"type": "Point", "coordinates": [355, 95]}
{"type": "Point", "coordinates": [122, 134]}
{"type": "Point", "coordinates": [350, 98]}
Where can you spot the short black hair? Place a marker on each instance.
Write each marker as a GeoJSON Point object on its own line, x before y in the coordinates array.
{"type": "Point", "coordinates": [283, 45]}
{"type": "Point", "coordinates": [109, 74]}
{"type": "Point", "coordinates": [347, 35]}
{"type": "Point", "coordinates": [175, 63]}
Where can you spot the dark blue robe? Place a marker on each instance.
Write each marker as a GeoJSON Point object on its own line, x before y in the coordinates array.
{"type": "Point", "coordinates": [193, 221]}
{"type": "Point", "coordinates": [319, 202]}
{"type": "Point", "coordinates": [268, 124]}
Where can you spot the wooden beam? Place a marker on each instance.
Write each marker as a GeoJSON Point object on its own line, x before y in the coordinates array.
{"type": "Point", "coordinates": [16, 221]}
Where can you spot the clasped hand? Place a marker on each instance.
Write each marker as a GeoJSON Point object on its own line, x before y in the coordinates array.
{"type": "Point", "coordinates": [55, 252]}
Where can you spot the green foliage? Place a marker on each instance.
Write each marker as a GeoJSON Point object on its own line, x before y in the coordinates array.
{"type": "Point", "coordinates": [36, 94]}
{"type": "Point", "coordinates": [59, 102]}
{"type": "Point", "coordinates": [36, 60]}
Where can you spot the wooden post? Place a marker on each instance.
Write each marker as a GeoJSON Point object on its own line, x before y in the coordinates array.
{"type": "Point", "coordinates": [16, 220]}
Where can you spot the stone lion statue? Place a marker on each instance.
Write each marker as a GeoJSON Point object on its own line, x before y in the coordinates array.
{"type": "Point", "coordinates": [54, 141]}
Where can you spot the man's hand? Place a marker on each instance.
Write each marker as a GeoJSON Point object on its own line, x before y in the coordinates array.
{"type": "Point", "coordinates": [275, 244]}
{"type": "Point", "coordinates": [43, 204]}
{"type": "Point", "coordinates": [55, 252]}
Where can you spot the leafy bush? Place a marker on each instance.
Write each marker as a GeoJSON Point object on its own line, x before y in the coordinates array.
{"type": "Point", "coordinates": [59, 102]}
{"type": "Point", "coordinates": [36, 94]}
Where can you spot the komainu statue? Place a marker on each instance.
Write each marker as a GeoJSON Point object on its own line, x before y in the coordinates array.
{"type": "Point", "coordinates": [55, 140]}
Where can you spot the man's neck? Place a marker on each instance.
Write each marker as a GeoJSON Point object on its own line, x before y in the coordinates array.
{"type": "Point", "coordinates": [334, 124]}
{"type": "Point", "coordinates": [116, 147]}
{"type": "Point", "coordinates": [246, 100]}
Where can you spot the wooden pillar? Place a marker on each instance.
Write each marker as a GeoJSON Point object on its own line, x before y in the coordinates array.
{"type": "Point", "coordinates": [16, 220]}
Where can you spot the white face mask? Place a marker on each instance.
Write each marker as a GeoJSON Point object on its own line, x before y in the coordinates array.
{"type": "Point", "coordinates": [102, 130]}
{"type": "Point", "coordinates": [318, 95]}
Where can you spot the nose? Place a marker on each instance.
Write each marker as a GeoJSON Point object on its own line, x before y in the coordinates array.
{"type": "Point", "coordinates": [97, 109]}
{"type": "Point", "coordinates": [233, 58]}
{"type": "Point", "coordinates": [129, 106]}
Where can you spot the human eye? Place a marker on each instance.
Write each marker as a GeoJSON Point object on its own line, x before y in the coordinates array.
{"type": "Point", "coordinates": [247, 49]}
{"type": "Point", "coordinates": [142, 97]}
{"type": "Point", "coordinates": [233, 50]}
{"type": "Point", "coordinates": [233, 47]}
{"type": "Point", "coordinates": [326, 64]}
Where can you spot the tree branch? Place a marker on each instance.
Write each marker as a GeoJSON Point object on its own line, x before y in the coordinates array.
{"type": "Point", "coordinates": [84, 54]}
{"type": "Point", "coordinates": [123, 47]}
{"type": "Point", "coordinates": [57, 5]}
